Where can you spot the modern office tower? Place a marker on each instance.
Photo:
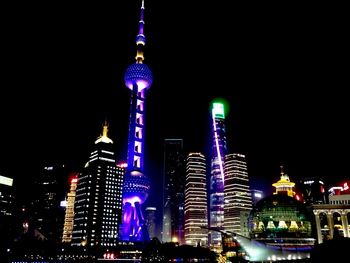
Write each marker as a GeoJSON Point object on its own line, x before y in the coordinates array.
{"type": "Point", "coordinates": [216, 202]}
{"type": "Point", "coordinates": [174, 189]}
{"type": "Point", "coordinates": [69, 216]}
{"type": "Point", "coordinates": [151, 221]}
{"type": "Point", "coordinates": [6, 196]}
{"type": "Point", "coordinates": [138, 78]}
{"type": "Point", "coordinates": [98, 199]}
{"type": "Point", "coordinates": [313, 191]}
{"type": "Point", "coordinates": [7, 225]}
{"type": "Point", "coordinates": [238, 199]}
{"type": "Point", "coordinates": [196, 218]}
{"type": "Point", "coordinates": [284, 185]}
{"type": "Point", "coordinates": [257, 195]}
{"type": "Point", "coordinates": [45, 208]}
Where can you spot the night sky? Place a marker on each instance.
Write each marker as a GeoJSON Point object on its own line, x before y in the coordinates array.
{"type": "Point", "coordinates": [281, 68]}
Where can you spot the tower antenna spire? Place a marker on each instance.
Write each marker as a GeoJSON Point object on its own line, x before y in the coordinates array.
{"type": "Point", "coordinates": [141, 38]}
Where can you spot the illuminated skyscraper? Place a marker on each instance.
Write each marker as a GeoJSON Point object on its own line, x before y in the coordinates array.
{"type": "Point", "coordinates": [313, 191]}
{"type": "Point", "coordinates": [6, 196]}
{"type": "Point", "coordinates": [7, 218]}
{"type": "Point", "coordinates": [238, 199]}
{"type": "Point", "coordinates": [174, 187]}
{"type": "Point", "coordinates": [196, 219]}
{"type": "Point", "coordinates": [98, 200]}
{"type": "Point", "coordinates": [151, 221]}
{"type": "Point", "coordinates": [216, 205]}
{"type": "Point", "coordinates": [138, 78]}
{"type": "Point", "coordinates": [69, 217]}
{"type": "Point", "coordinates": [48, 192]}
{"type": "Point", "coordinates": [257, 195]}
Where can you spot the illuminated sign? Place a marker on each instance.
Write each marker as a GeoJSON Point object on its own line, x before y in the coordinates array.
{"type": "Point", "coordinates": [345, 186]}
{"type": "Point", "coordinates": [6, 180]}
{"type": "Point", "coordinates": [258, 195]}
{"type": "Point", "coordinates": [218, 110]}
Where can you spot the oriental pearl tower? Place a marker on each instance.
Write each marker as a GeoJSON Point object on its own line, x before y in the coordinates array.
{"type": "Point", "coordinates": [138, 78]}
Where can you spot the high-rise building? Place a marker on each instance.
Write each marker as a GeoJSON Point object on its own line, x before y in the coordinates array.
{"type": "Point", "coordinates": [313, 191]}
{"type": "Point", "coordinates": [238, 200]}
{"type": "Point", "coordinates": [174, 187]}
{"type": "Point", "coordinates": [7, 225]}
{"type": "Point", "coordinates": [216, 202]}
{"type": "Point", "coordinates": [257, 195]}
{"type": "Point", "coordinates": [6, 196]}
{"type": "Point", "coordinates": [151, 221]}
{"type": "Point", "coordinates": [69, 215]}
{"type": "Point", "coordinates": [196, 218]}
{"type": "Point", "coordinates": [98, 200]}
{"type": "Point", "coordinates": [45, 210]}
{"type": "Point", "coordinates": [138, 78]}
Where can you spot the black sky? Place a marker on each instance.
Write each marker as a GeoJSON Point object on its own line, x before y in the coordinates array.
{"type": "Point", "coordinates": [283, 68]}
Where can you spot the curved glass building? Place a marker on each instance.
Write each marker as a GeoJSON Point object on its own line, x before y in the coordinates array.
{"type": "Point", "coordinates": [282, 221]}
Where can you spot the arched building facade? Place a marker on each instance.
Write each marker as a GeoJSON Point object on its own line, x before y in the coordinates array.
{"type": "Point", "coordinates": [331, 220]}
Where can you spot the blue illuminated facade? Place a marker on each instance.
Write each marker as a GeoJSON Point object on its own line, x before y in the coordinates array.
{"type": "Point", "coordinates": [138, 78]}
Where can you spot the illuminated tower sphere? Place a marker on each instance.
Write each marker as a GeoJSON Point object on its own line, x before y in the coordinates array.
{"type": "Point", "coordinates": [216, 206]}
{"type": "Point", "coordinates": [138, 78]}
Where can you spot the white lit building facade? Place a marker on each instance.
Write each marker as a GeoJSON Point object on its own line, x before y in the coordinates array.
{"type": "Point", "coordinates": [98, 201]}
{"type": "Point", "coordinates": [69, 216]}
{"type": "Point", "coordinates": [196, 219]}
{"type": "Point", "coordinates": [237, 194]}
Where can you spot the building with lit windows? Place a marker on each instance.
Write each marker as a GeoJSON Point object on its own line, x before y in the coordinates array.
{"type": "Point", "coordinates": [98, 200]}
{"type": "Point", "coordinates": [313, 191]}
{"type": "Point", "coordinates": [69, 215]}
{"type": "Point", "coordinates": [174, 187]}
{"type": "Point", "coordinates": [196, 219]}
{"type": "Point", "coordinates": [48, 192]}
{"type": "Point", "coordinates": [7, 226]}
{"type": "Point", "coordinates": [150, 216]}
{"type": "Point", "coordinates": [6, 196]}
{"type": "Point", "coordinates": [138, 78]}
{"type": "Point", "coordinates": [216, 188]}
{"type": "Point", "coordinates": [333, 219]}
{"type": "Point", "coordinates": [238, 200]}
{"type": "Point", "coordinates": [257, 195]}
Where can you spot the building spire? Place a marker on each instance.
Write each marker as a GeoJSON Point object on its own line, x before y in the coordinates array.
{"type": "Point", "coordinates": [140, 38]}
{"type": "Point", "coordinates": [105, 129]}
{"type": "Point", "coordinates": [104, 137]}
{"type": "Point", "coordinates": [282, 170]}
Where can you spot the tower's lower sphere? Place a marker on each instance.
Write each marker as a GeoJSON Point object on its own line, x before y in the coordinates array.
{"type": "Point", "coordinates": [136, 187]}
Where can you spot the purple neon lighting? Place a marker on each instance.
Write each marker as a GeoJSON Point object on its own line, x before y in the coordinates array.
{"type": "Point", "coordinates": [218, 149]}
{"type": "Point", "coordinates": [132, 200]}
{"type": "Point", "coordinates": [141, 19]}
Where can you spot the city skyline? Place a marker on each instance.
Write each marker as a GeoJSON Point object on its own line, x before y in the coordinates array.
{"type": "Point", "coordinates": [64, 77]}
